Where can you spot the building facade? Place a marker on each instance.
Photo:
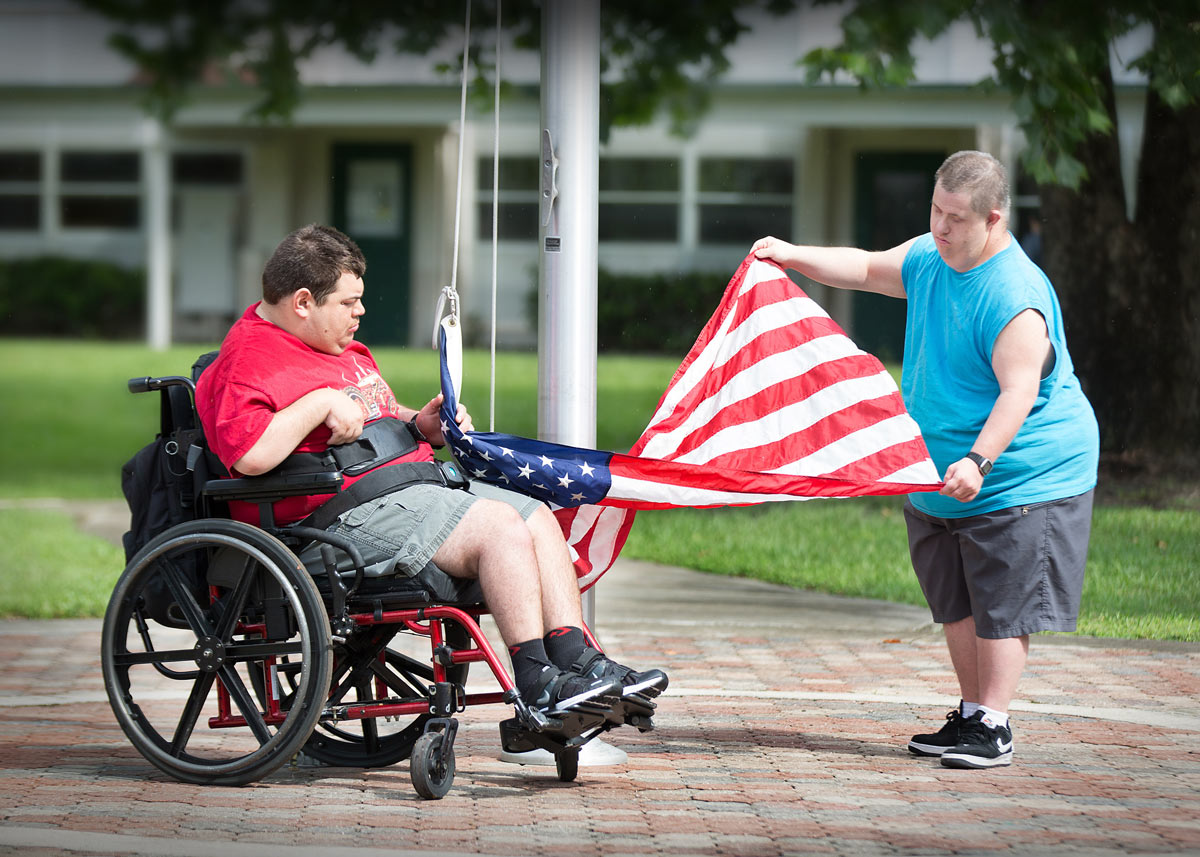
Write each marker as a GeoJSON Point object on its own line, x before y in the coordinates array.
{"type": "Point", "coordinates": [373, 149]}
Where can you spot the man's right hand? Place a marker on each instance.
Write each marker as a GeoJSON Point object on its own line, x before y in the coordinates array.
{"type": "Point", "coordinates": [344, 418]}
{"type": "Point", "coordinates": [289, 427]}
{"type": "Point", "coordinates": [774, 249]}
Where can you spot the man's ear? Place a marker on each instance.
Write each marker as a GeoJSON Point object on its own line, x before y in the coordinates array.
{"type": "Point", "coordinates": [302, 302]}
{"type": "Point", "coordinates": [994, 217]}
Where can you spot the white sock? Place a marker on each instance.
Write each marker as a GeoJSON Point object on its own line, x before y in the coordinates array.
{"type": "Point", "coordinates": [969, 708]}
{"type": "Point", "coordinates": [993, 717]}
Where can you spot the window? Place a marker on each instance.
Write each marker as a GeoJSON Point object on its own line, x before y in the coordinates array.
{"type": "Point", "coordinates": [100, 190]}
{"type": "Point", "coordinates": [20, 191]}
{"type": "Point", "coordinates": [741, 200]}
{"type": "Point", "coordinates": [207, 168]}
{"type": "Point", "coordinates": [639, 199]}
{"type": "Point", "coordinates": [518, 208]}
{"type": "Point", "coordinates": [642, 200]}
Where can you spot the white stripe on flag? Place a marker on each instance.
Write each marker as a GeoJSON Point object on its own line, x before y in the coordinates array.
{"type": "Point", "coordinates": [767, 372]}
{"type": "Point", "coordinates": [791, 419]}
{"type": "Point", "coordinates": [855, 446]}
{"type": "Point", "coordinates": [726, 345]}
{"type": "Point", "coordinates": [920, 473]}
{"type": "Point", "coordinates": [627, 488]}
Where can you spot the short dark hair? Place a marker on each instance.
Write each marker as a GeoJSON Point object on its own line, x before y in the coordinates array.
{"type": "Point", "coordinates": [313, 257]}
{"type": "Point", "coordinates": [979, 175]}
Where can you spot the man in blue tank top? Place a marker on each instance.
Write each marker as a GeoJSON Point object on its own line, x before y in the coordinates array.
{"type": "Point", "coordinates": [1000, 550]}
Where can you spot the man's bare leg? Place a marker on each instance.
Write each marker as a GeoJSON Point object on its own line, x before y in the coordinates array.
{"type": "Point", "coordinates": [988, 670]}
{"type": "Point", "coordinates": [492, 544]}
{"type": "Point", "coordinates": [556, 572]}
{"type": "Point", "coordinates": [960, 640]}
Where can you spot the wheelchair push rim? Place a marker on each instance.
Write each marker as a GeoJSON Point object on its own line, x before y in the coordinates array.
{"type": "Point", "coordinates": [240, 601]}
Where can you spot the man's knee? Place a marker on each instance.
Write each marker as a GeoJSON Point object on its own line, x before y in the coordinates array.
{"type": "Point", "coordinates": [495, 526]}
{"type": "Point", "coordinates": [543, 524]}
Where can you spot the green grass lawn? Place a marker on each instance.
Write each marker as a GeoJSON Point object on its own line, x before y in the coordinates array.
{"type": "Point", "coordinates": [68, 423]}
{"type": "Point", "coordinates": [1143, 576]}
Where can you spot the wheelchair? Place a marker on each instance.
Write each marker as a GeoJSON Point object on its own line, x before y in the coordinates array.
{"type": "Point", "coordinates": [225, 658]}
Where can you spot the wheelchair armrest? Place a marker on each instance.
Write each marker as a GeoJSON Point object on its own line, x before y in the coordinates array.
{"type": "Point", "coordinates": [271, 487]}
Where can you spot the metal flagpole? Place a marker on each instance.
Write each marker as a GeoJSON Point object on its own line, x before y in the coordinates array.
{"type": "Point", "coordinates": [570, 186]}
{"type": "Point", "coordinates": [570, 148]}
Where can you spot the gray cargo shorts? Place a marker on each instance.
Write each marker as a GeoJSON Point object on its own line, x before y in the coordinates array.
{"type": "Point", "coordinates": [401, 531]}
{"type": "Point", "coordinates": [1017, 571]}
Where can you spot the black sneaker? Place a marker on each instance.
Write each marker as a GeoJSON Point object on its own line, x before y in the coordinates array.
{"type": "Point", "coordinates": [556, 691]}
{"type": "Point", "coordinates": [980, 745]}
{"type": "Point", "coordinates": [936, 743]}
{"type": "Point", "coordinates": [595, 664]}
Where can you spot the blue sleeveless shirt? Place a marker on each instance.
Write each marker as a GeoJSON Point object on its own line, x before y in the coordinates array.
{"type": "Point", "coordinates": [949, 386]}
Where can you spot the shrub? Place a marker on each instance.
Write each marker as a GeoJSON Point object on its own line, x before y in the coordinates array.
{"type": "Point", "coordinates": [58, 296]}
{"type": "Point", "coordinates": [651, 313]}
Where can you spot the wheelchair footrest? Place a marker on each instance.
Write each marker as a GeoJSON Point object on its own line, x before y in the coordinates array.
{"type": "Point", "coordinates": [566, 730]}
{"type": "Point", "coordinates": [635, 710]}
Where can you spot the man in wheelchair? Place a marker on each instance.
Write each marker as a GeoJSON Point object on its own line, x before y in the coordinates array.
{"type": "Point", "coordinates": [293, 391]}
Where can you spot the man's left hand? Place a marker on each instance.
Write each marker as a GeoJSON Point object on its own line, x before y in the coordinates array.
{"type": "Point", "coordinates": [429, 421]}
{"type": "Point", "coordinates": [963, 480]}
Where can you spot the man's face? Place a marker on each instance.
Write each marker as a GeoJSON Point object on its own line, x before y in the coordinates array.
{"type": "Point", "coordinates": [330, 325]}
{"type": "Point", "coordinates": [960, 233]}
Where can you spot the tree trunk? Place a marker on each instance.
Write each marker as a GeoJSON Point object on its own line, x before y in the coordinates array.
{"type": "Point", "coordinates": [1130, 289]}
{"type": "Point", "coordinates": [1168, 221]}
{"type": "Point", "coordinates": [1092, 258]}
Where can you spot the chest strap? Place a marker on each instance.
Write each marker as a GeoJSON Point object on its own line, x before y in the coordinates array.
{"type": "Point", "coordinates": [385, 480]}
{"type": "Point", "coordinates": [380, 442]}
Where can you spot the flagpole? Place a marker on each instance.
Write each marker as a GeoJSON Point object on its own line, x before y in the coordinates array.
{"type": "Point", "coordinates": [568, 232]}
{"type": "Point", "coordinates": [568, 235]}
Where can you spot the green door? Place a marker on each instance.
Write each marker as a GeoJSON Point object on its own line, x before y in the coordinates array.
{"type": "Point", "coordinates": [372, 204]}
{"type": "Point", "coordinates": [892, 193]}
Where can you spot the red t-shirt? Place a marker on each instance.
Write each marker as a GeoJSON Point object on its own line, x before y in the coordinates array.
{"type": "Point", "coordinates": [261, 370]}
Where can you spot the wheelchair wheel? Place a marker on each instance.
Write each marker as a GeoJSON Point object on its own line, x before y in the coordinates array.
{"type": "Point", "coordinates": [431, 776]}
{"type": "Point", "coordinates": [241, 605]}
{"type": "Point", "coordinates": [367, 669]}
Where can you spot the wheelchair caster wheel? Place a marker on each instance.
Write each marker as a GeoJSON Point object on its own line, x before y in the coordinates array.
{"type": "Point", "coordinates": [566, 762]}
{"type": "Point", "coordinates": [432, 774]}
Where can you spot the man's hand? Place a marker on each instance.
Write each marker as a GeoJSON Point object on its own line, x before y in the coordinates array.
{"type": "Point", "coordinates": [774, 249]}
{"type": "Point", "coordinates": [963, 480]}
{"type": "Point", "coordinates": [290, 426]}
{"type": "Point", "coordinates": [344, 418]}
{"type": "Point", "coordinates": [429, 420]}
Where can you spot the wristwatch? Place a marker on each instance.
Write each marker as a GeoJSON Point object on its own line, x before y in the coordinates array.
{"type": "Point", "coordinates": [984, 464]}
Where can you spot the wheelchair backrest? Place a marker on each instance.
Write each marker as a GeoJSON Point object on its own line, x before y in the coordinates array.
{"type": "Point", "coordinates": [163, 481]}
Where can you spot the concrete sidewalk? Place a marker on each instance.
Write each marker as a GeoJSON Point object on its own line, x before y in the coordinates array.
{"type": "Point", "coordinates": [783, 732]}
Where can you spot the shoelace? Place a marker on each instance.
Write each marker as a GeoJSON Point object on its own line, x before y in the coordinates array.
{"type": "Point", "coordinates": [972, 728]}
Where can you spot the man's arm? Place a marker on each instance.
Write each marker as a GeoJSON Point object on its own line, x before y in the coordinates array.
{"type": "Point", "coordinates": [1017, 359]}
{"type": "Point", "coordinates": [841, 267]}
{"type": "Point", "coordinates": [290, 426]}
{"type": "Point", "coordinates": [333, 408]}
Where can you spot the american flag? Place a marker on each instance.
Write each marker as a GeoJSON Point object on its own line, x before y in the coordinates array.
{"type": "Point", "coordinates": [773, 402]}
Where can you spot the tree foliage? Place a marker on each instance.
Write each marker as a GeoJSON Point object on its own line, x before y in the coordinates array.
{"type": "Point", "coordinates": [1052, 56]}
{"type": "Point", "coordinates": [656, 57]}
{"type": "Point", "coordinates": [1129, 282]}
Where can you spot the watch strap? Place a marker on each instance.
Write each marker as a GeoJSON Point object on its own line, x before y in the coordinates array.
{"type": "Point", "coordinates": [982, 462]}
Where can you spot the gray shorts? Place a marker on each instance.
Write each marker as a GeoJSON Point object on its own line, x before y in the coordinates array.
{"type": "Point", "coordinates": [401, 531]}
{"type": "Point", "coordinates": [1016, 571]}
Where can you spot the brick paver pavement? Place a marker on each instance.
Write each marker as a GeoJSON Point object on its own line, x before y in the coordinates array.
{"type": "Point", "coordinates": [783, 732]}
